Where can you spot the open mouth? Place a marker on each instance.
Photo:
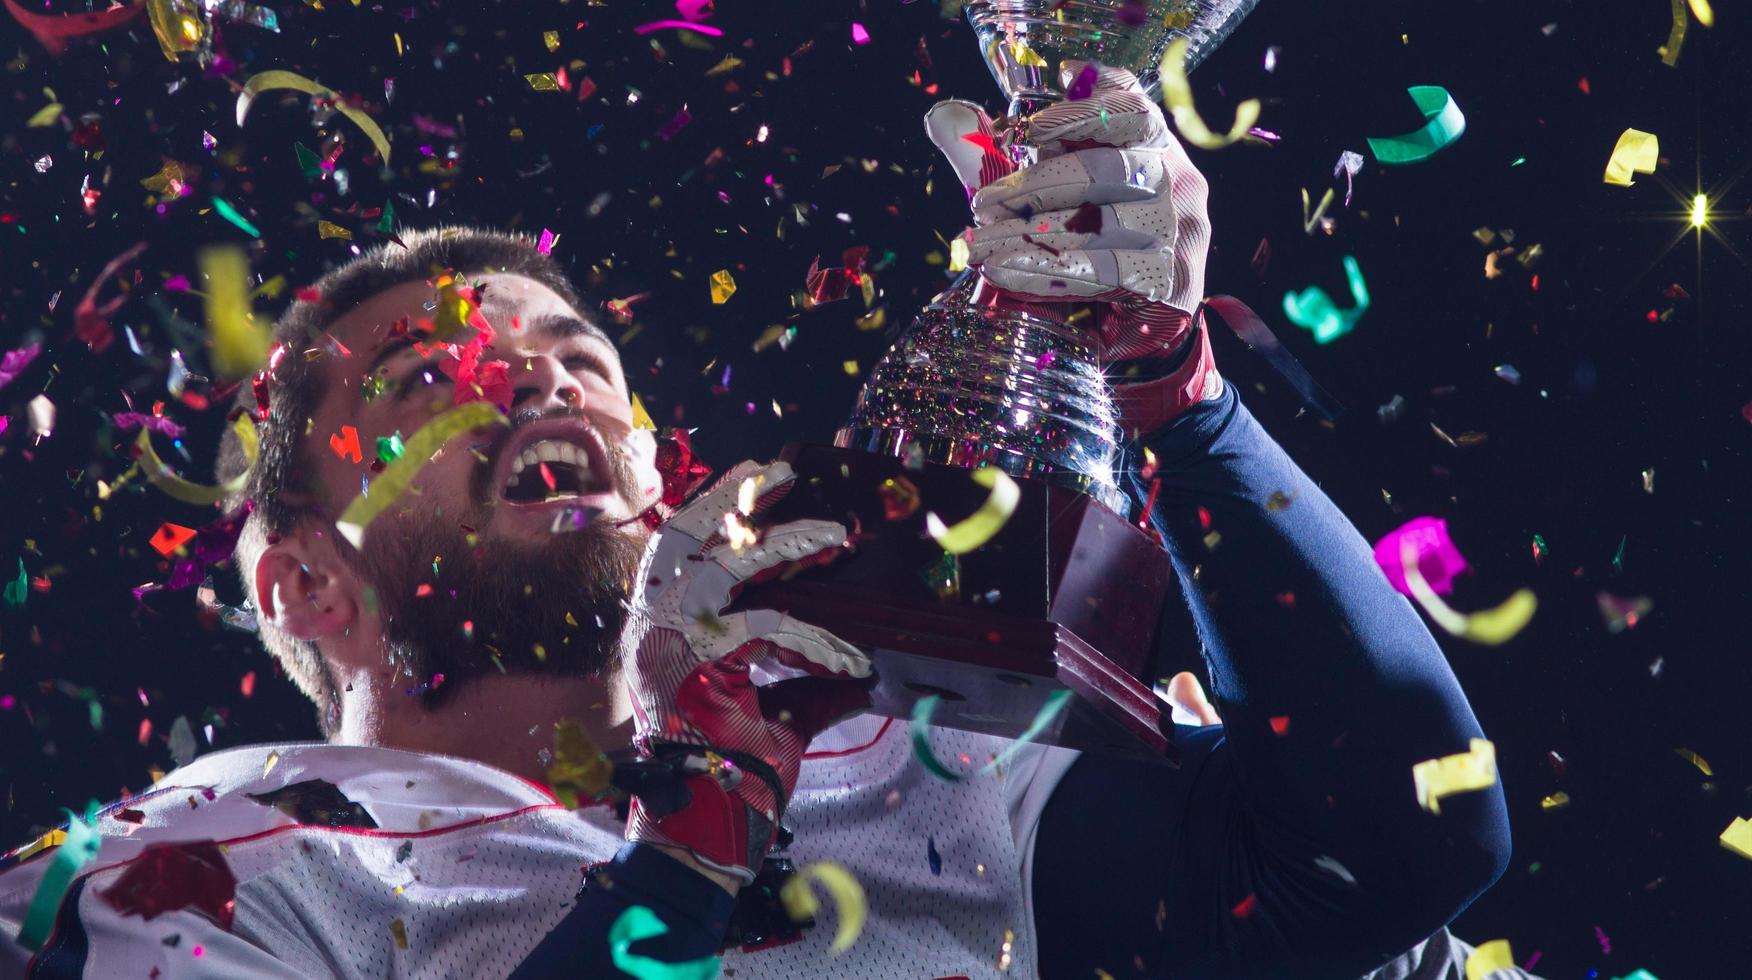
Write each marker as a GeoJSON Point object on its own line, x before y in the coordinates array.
{"type": "Point", "coordinates": [557, 462]}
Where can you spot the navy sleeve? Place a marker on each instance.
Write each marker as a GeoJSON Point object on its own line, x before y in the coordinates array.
{"type": "Point", "coordinates": [695, 909]}
{"type": "Point", "coordinates": [1290, 842]}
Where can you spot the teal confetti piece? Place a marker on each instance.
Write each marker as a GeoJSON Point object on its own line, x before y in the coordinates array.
{"type": "Point", "coordinates": [386, 224]}
{"type": "Point", "coordinates": [921, 739]}
{"type": "Point", "coordinates": [390, 448]}
{"type": "Point", "coordinates": [1049, 712]}
{"type": "Point", "coordinates": [1313, 309]}
{"type": "Point", "coordinates": [1618, 559]}
{"type": "Point", "coordinates": [75, 852]}
{"type": "Point", "coordinates": [1443, 124]}
{"type": "Point", "coordinates": [230, 214]}
{"type": "Point", "coordinates": [639, 922]}
{"type": "Point", "coordinates": [18, 589]}
{"type": "Point", "coordinates": [309, 164]}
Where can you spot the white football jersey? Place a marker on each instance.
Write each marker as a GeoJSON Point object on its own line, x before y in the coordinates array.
{"type": "Point", "coordinates": [469, 866]}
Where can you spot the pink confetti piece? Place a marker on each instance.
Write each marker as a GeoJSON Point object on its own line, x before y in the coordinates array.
{"type": "Point", "coordinates": [1438, 561]}
{"type": "Point", "coordinates": [546, 245]}
{"type": "Point", "coordinates": [680, 25]}
{"type": "Point", "coordinates": [859, 34]}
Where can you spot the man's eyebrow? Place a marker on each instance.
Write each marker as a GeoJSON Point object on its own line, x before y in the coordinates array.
{"type": "Point", "coordinates": [562, 326]}
{"type": "Point", "coordinates": [389, 350]}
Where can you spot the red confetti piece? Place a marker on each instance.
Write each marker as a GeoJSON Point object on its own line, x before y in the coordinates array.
{"type": "Point", "coordinates": [248, 685]}
{"type": "Point", "coordinates": [1244, 908]}
{"type": "Point", "coordinates": [53, 33]}
{"type": "Point", "coordinates": [168, 877]}
{"type": "Point", "coordinates": [170, 537]}
{"type": "Point", "coordinates": [423, 591]}
{"type": "Point", "coordinates": [347, 444]}
{"type": "Point", "coordinates": [1280, 724]}
{"type": "Point", "coordinates": [547, 477]}
{"type": "Point", "coordinates": [145, 734]}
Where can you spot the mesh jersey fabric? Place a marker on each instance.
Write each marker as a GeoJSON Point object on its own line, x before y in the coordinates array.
{"type": "Point", "coordinates": [477, 865]}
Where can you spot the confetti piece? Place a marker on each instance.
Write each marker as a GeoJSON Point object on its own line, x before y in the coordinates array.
{"type": "Point", "coordinates": [859, 34]}
{"type": "Point", "coordinates": [921, 739]}
{"type": "Point", "coordinates": [232, 215]}
{"type": "Point", "coordinates": [1696, 760]}
{"type": "Point", "coordinates": [328, 229]}
{"type": "Point", "coordinates": [642, 418]}
{"type": "Point", "coordinates": [1026, 55]}
{"type": "Point", "coordinates": [1635, 153]}
{"type": "Point", "coordinates": [169, 537]}
{"type": "Point", "coordinates": [1177, 96]}
{"type": "Point", "coordinates": [46, 116]}
{"type": "Point", "coordinates": [1048, 713]}
{"type": "Point", "coordinates": [1623, 612]}
{"type": "Point", "coordinates": [1312, 221]}
{"type": "Point", "coordinates": [1438, 560]}
{"type": "Point", "coordinates": [551, 40]}
{"type": "Point", "coordinates": [1314, 310]}
{"type": "Point", "coordinates": [162, 477]}
{"type": "Point", "coordinates": [978, 528]}
{"type": "Point", "coordinates": [399, 930]}
{"type": "Point", "coordinates": [1676, 36]}
{"type": "Point", "coordinates": [268, 81]}
{"type": "Point", "coordinates": [680, 25]}
{"type": "Point", "coordinates": [543, 81]}
{"type": "Point", "coordinates": [75, 852]}
{"type": "Point", "coordinates": [17, 590]}
{"type": "Point", "coordinates": [1738, 837]}
{"type": "Point", "coordinates": [1491, 627]}
{"type": "Point", "coordinates": [579, 770]}
{"type": "Point", "coordinates": [1633, 975]}
{"type": "Point", "coordinates": [1474, 769]}
{"type": "Point", "coordinates": [848, 896]}
{"type": "Point", "coordinates": [176, 27]}
{"type": "Point", "coordinates": [346, 444]}
{"type": "Point", "coordinates": [1555, 801]}
{"type": "Point", "coordinates": [1443, 124]}
{"type": "Point", "coordinates": [1701, 10]}
{"type": "Point", "coordinates": [54, 32]}
{"type": "Point", "coordinates": [546, 245]}
{"type": "Point", "coordinates": [13, 363]}
{"type": "Point", "coordinates": [240, 346]}
{"type": "Point", "coordinates": [639, 922]}
{"type": "Point", "coordinates": [390, 447]}
{"type": "Point", "coordinates": [397, 476]}
{"type": "Point", "coordinates": [1494, 955]}
{"type": "Point", "coordinates": [723, 287]}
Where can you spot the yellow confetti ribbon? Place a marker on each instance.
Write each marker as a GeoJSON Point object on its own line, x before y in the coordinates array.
{"type": "Point", "coordinates": [1474, 769]}
{"type": "Point", "coordinates": [1635, 153]}
{"type": "Point", "coordinates": [399, 475]}
{"type": "Point", "coordinates": [240, 346]}
{"type": "Point", "coordinates": [1489, 957]}
{"type": "Point", "coordinates": [1177, 96]}
{"type": "Point", "coordinates": [848, 897]}
{"type": "Point", "coordinates": [1492, 627]}
{"type": "Point", "coordinates": [270, 80]}
{"type": "Point", "coordinates": [165, 479]}
{"type": "Point", "coordinates": [579, 771]}
{"type": "Point", "coordinates": [978, 528]}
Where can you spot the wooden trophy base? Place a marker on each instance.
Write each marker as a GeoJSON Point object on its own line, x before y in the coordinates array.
{"type": "Point", "coordinates": [1066, 596]}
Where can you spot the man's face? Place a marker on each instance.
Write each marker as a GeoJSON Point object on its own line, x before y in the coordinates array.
{"type": "Point", "coordinates": [524, 533]}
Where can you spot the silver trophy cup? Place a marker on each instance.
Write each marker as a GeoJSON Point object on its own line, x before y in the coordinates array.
{"type": "Point", "coordinates": [975, 381]}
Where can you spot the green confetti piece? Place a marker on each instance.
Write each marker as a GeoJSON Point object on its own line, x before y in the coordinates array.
{"type": "Point", "coordinates": [639, 922]}
{"type": "Point", "coordinates": [390, 448]}
{"type": "Point", "coordinates": [1443, 124]}
{"type": "Point", "coordinates": [75, 852]}
{"type": "Point", "coordinates": [1313, 309]}
{"type": "Point", "coordinates": [309, 164]}
{"type": "Point", "coordinates": [1618, 559]}
{"type": "Point", "coordinates": [18, 589]}
{"type": "Point", "coordinates": [386, 224]}
{"type": "Point", "coordinates": [230, 214]}
{"type": "Point", "coordinates": [921, 739]}
{"type": "Point", "coordinates": [1048, 713]}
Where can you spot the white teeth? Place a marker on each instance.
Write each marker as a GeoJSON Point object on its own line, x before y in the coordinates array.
{"type": "Point", "coordinates": [550, 451]}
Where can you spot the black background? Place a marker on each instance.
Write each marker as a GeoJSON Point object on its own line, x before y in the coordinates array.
{"type": "Point", "coordinates": [1605, 393]}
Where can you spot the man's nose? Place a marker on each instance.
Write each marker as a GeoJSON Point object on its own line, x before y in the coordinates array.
{"type": "Point", "coordinates": [542, 383]}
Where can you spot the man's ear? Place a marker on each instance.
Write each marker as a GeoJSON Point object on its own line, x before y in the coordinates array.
{"type": "Point", "coordinates": [305, 587]}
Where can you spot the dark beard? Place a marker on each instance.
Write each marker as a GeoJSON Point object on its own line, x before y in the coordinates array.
{"type": "Point", "coordinates": [502, 607]}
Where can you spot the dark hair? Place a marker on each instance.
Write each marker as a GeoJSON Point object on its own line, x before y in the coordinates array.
{"type": "Point", "coordinates": [295, 387]}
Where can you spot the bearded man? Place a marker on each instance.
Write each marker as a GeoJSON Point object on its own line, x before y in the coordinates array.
{"type": "Point", "coordinates": [514, 588]}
